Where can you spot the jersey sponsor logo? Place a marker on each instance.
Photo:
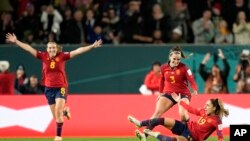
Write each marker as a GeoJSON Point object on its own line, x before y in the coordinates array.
{"type": "Point", "coordinates": [35, 118]}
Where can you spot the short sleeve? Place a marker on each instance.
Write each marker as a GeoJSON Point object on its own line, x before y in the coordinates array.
{"type": "Point", "coordinates": [66, 55]}
{"type": "Point", "coordinates": [39, 55]}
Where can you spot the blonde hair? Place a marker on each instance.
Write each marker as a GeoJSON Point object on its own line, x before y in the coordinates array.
{"type": "Point", "coordinates": [59, 47]}
{"type": "Point", "coordinates": [219, 107]}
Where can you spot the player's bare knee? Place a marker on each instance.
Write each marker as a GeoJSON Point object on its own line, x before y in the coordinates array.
{"type": "Point", "coordinates": [58, 111]}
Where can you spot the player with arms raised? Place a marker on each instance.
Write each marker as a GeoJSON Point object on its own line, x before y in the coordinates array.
{"type": "Point", "coordinates": [54, 76]}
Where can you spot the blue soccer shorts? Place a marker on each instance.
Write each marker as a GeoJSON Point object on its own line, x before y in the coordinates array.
{"type": "Point", "coordinates": [181, 128]}
{"type": "Point", "coordinates": [168, 96]}
{"type": "Point", "coordinates": [53, 93]}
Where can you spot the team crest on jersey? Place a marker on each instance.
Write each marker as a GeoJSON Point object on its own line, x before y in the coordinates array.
{"type": "Point", "coordinates": [209, 120]}
{"type": "Point", "coordinates": [57, 59]}
{"type": "Point", "coordinates": [178, 72]}
{"type": "Point", "coordinates": [166, 72]}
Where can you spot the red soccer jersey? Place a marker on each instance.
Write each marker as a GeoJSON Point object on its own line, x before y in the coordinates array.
{"type": "Point", "coordinates": [205, 125]}
{"type": "Point", "coordinates": [7, 83]}
{"type": "Point", "coordinates": [152, 81]}
{"type": "Point", "coordinates": [53, 69]}
{"type": "Point", "coordinates": [176, 80]}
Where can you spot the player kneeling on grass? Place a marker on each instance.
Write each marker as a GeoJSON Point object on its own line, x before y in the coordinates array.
{"type": "Point", "coordinates": [209, 121]}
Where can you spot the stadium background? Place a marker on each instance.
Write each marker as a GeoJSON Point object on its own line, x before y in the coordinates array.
{"type": "Point", "coordinates": [104, 83]}
{"type": "Point", "coordinates": [104, 90]}
{"type": "Point", "coordinates": [121, 69]}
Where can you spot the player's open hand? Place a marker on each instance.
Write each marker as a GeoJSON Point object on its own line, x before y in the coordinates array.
{"type": "Point", "coordinates": [206, 58]}
{"type": "Point", "coordinates": [220, 54]}
{"type": "Point", "coordinates": [176, 97]}
{"type": "Point", "coordinates": [11, 38]}
{"type": "Point", "coordinates": [97, 43]}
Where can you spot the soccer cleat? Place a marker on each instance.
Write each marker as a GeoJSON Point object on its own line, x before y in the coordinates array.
{"type": "Point", "coordinates": [151, 133]}
{"type": "Point", "coordinates": [140, 135]}
{"type": "Point", "coordinates": [66, 113]}
{"type": "Point", "coordinates": [57, 138]}
{"type": "Point", "coordinates": [135, 121]}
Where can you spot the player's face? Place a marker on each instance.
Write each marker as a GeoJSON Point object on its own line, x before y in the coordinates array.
{"type": "Point", "coordinates": [156, 68]}
{"type": "Point", "coordinates": [175, 60]}
{"type": "Point", "coordinates": [209, 108]}
{"type": "Point", "coordinates": [52, 50]}
{"type": "Point", "coordinates": [19, 73]}
{"type": "Point", "coordinates": [33, 81]}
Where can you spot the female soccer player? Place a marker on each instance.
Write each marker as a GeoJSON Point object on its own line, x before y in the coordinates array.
{"type": "Point", "coordinates": [54, 76]}
{"type": "Point", "coordinates": [175, 78]}
{"type": "Point", "coordinates": [209, 121]}
{"type": "Point", "coordinates": [152, 80]}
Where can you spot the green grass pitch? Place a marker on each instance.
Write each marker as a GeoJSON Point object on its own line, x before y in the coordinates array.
{"type": "Point", "coordinates": [91, 139]}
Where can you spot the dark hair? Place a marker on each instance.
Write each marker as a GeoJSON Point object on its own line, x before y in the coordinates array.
{"type": "Point", "coordinates": [216, 65]}
{"type": "Point", "coordinates": [34, 76]}
{"type": "Point", "coordinates": [219, 107]}
{"type": "Point", "coordinates": [156, 63]}
{"type": "Point", "coordinates": [177, 50]}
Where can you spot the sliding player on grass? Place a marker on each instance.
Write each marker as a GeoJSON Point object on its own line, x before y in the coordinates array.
{"type": "Point", "coordinates": [209, 121]}
{"type": "Point", "coordinates": [175, 77]}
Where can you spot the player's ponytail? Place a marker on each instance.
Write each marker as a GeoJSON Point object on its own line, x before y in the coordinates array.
{"type": "Point", "coordinates": [219, 108]}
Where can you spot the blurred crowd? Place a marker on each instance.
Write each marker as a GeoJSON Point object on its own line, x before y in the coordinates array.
{"type": "Point", "coordinates": [18, 82]}
{"type": "Point", "coordinates": [127, 21]}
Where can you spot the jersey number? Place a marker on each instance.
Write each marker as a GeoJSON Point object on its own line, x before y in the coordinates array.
{"type": "Point", "coordinates": [52, 64]}
{"type": "Point", "coordinates": [172, 80]}
{"type": "Point", "coordinates": [63, 91]}
{"type": "Point", "coordinates": [201, 121]}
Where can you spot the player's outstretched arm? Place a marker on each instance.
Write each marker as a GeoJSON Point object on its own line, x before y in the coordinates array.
{"type": "Point", "coordinates": [177, 98]}
{"type": "Point", "coordinates": [11, 38]}
{"type": "Point", "coordinates": [84, 49]}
